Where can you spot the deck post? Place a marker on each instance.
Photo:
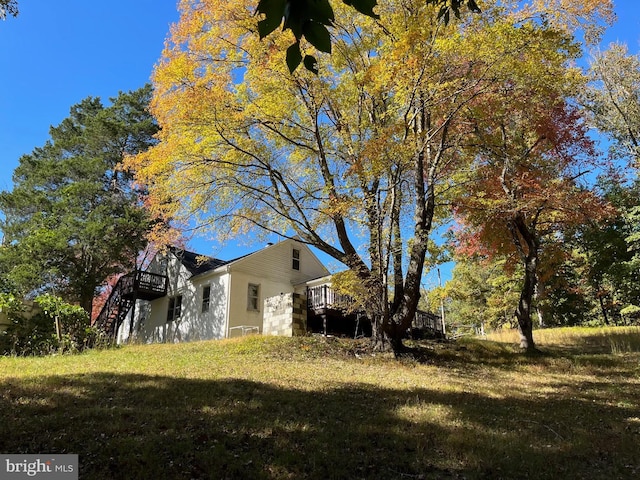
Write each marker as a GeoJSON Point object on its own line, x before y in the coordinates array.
{"type": "Point", "coordinates": [133, 316]}
{"type": "Point", "coordinates": [326, 306]}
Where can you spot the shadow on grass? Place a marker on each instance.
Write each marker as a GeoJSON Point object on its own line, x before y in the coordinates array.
{"type": "Point", "coordinates": [138, 427]}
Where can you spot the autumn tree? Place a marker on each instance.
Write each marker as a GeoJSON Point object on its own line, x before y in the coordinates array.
{"type": "Point", "coordinates": [363, 150]}
{"type": "Point", "coordinates": [586, 272]}
{"type": "Point", "coordinates": [531, 149]}
{"type": "Point", "coordinates": [613, 99]}
{"type": "Point", "coordinates": [73, 217]}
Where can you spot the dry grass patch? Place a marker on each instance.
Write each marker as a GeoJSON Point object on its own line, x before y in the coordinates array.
{"type": "Point", "coordinates": [269, 407]}
{"type": "Point", "coordinates": [579, 339]}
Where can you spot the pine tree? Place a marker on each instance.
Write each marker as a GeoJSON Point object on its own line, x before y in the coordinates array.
{"type": "Point", "coordinates": [73, 217]}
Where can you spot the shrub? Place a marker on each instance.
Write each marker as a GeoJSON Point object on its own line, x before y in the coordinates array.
{"type": "Point", "coordinates": [54, 327]}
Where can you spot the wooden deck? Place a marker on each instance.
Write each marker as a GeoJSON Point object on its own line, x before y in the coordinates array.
{"type": "Point", "coordinates": [323, 297]}
{"type": "Point", "coordinates": [328, 311]}
{"type": "Point", "coordinates": [144, 285]}
{"type": "Point", "coordinates": [130, 287]}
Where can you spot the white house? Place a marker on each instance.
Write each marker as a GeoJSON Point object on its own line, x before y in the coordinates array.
{"type": "Point", "coordinates": [198, 297]}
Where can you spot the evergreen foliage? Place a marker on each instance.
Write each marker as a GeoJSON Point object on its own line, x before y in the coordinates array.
{"type": "Point", "coordinates": [73, 217]}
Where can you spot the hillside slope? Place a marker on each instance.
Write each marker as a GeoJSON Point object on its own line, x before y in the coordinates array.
{"type": "Point", "coordinates": [267, 407]}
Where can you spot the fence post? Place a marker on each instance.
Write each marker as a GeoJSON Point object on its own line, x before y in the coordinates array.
{"type": "Point", "coordinates": [444, 328]}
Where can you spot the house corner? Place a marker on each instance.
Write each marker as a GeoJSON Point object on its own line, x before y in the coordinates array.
{"type": "Point", "coordinates": [285, 315]}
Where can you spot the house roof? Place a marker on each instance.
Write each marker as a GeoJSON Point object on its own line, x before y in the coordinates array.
{"type": "Point", "coordinates": [196, 263]}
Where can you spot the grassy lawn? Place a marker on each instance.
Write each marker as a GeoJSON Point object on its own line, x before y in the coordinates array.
{"type": "Point", "coordinates": [267, 407]}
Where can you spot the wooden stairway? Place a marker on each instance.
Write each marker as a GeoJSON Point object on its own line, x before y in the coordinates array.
{"type": "Point", "coordinates": [129, 288]}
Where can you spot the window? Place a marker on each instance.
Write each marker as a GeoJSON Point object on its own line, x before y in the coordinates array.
{"type": "Point", "coordinates": [253, 297]}
{"type": "Point", "coordinates": [206, 297]}
{"type": "Point", "coordinates": [296, 259]}
{"type": "Point", "coordinates": [175, 308]}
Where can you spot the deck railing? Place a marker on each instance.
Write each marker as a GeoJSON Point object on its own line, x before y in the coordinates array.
{"type": "Point", "coordinates": [323, 297]}
{"type": "Point", "coordinates": [151, 282]}
{"type": "Point", "coordinates": [137, 284]}
{"type": "Point", "coordinates": [143, 282]}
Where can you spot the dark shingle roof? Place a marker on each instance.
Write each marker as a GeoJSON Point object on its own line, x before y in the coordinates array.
{"type": "Point", "coordinates": [197, 263]}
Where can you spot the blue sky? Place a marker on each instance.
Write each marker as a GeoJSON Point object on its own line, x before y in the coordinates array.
{"type": "Point", "coordinates": [55, 53]}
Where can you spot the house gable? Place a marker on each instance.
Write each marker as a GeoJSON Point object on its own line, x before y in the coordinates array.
{"type": "Point", "coordinates": [268, 273]}
{"type": "Point", "coordinates": [276, 262]}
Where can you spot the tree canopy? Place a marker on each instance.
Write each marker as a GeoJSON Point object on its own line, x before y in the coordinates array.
{"type": "Point", "coordinates": [364, 153]}
{"type": "Point", "coordinates": [531, 148]}
{"type": "Point", "coordinates": [73, 217]}
{"type": "Point", "coordinates": [8, 7]}
{"type": "Point", "coordinates": [613, 98]}
{"type": "Point", "coordinates": [587, 271]}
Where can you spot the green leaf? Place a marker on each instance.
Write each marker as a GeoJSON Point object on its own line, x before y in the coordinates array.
{"type": "Point", "coordinates": [294, 17]}
{"type": "Point", "coordinates": [266, 26]}
{"type": "Point", "coordinates": [447, 7]}
{"type": "Point", "coordinates": [444, 14]}
{"type": "Point", "coordinates": [318, 36]}
{"type": "Point", "coordinates": [311, 64]}
{"type": "Point", "coordinates": [473, 6]}
{"type": "Point", "coordinates": [273, 11]}
{"type": "Point", "coordinates": [294, 57]}
{"type": "Point", "coordinates": [363, 6]}
{"type": "Point", "coordinates": [320, 11]}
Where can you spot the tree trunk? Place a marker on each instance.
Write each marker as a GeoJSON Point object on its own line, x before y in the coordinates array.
{"type": "Point", "coordinates": [523, 311]}
{"type": "Point", "coordinates": [58, 325]}
{"type": "Point", "coordinates": [528, 245]}
{"type": "Point", "coordinates": [536, 297]}
{"type": "Point", "coordinates": [86, 301]}
{"type": "Point", "coordinates": [377, 335]}
{"type": "Point", "coordinates": [603, 309]}
{"type": "Point", "coordinates": [379, 339]}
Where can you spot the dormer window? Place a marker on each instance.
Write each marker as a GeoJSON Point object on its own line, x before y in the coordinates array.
{"type": "Point", "coordinates": [296, 259]}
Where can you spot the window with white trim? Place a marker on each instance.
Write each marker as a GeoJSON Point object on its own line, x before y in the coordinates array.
{"type": "Point", "coordinates": [175, 308]}
{"type": "Point", "coordinates": [253, 297]}
{"type": "Point", "coordinates": [206, 298]}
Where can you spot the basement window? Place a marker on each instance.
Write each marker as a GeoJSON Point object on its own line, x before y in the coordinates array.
{"type": "Point", "coordinates": [175, 308]}
{"type": "Point", "coordinates": [253, 297]}
{"type": "Point", "coordinates": [296, 259]}
{"type": "Point", "coordinates": [206, 298]}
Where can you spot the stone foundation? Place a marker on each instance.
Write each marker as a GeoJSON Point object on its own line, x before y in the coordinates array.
{"type": "Point", "coordinates": [286, 315]}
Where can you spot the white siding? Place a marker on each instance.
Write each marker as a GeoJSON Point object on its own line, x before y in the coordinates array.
{"type": "Point", "coordinates": [271, 268]}
{"type": "Point", "coordinates": [239, 313]}
{"type": "Point", "coordinates": [275, 263]}
{"type": "Point", "coordinates": [212, 323]}
{"type": "Point", "coordinates": [192, 324]}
